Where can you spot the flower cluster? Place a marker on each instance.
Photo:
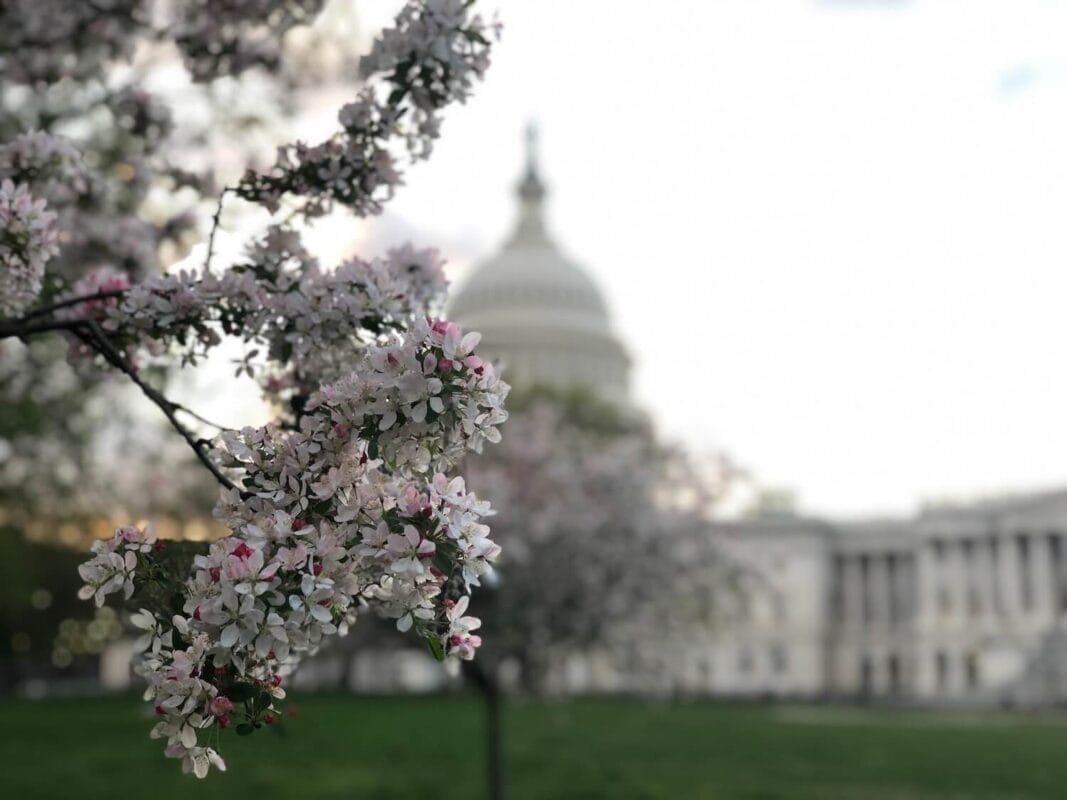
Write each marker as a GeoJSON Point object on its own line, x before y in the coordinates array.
{"type": "Point", "coordinates": [52, 164]}
{"type": "Point", "coordinates": [422, 399]}
{"type": "Point", "coordinates": [28, 239]}
{"type": "Point", "coordinates": [215, 37]}
{"type": "Point", "coordinates": [91, 204]}
{"type": "Point", "coordinates": [330, 518]}
{"type": "Point", "coordinates": [38, 38]}
{"type": "Point", "coordinates": [226, 37]}
{"type": "Point", "coordinates": [428, 60]}
{"type": "Point", "coordinates": [305, 322]}
{"type": "Point", "coordinates": [112, 567]}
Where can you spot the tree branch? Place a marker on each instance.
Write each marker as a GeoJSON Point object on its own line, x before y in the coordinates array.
{"type": "Point", "coordinates": [214, 228]}
{"type": "Point", "coordinates": [72, 301]}
{"type": "Point", "coordinates": [19, 329]}
{"type": "Point", "coordinates": [194, 415]}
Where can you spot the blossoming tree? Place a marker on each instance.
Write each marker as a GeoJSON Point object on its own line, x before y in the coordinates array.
{"type": "Point", "coordinates": [349, 498]}
{"type": "Point", "coordinates": [619, 520]}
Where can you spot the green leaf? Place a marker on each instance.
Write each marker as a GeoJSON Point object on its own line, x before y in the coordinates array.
{"type": "Point", "coordinates": [244, 729]}
{"type": "Point", "coordinates": [437, 650]}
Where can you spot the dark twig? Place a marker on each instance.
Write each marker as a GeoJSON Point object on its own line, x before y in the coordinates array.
{"type": "Point", "coordinates": [20, 329]}
{"type": "Point", "coordinates": [214, 228]}
{"type": "Point", "coordinates": [72, 301]}
{"type": "Point", "coordinates": [194, 415]}
{"type": "Point", "coordinates": [90, 333]}
{"type": "Point", "coordinates": [115, 358]}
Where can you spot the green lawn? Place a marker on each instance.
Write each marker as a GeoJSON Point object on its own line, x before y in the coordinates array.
{"type": "Point", "coordinates": [345, 747]}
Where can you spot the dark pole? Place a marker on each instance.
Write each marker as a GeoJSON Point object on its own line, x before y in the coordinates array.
{"type": "Point", "coordinates": [487, 685]}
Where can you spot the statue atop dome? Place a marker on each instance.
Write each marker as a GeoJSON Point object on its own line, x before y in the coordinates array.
{"type": "Point", "coordinates": [540, 315]}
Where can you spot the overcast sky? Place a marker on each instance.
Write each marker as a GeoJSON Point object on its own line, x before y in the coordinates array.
{"type": "Point", "coordinates": [832, 234]}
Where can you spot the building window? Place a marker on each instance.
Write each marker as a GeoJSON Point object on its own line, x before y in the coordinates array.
{"type": "Point", "coordinates": [704, 668]}
{"type": "Point", "coordinates": [973, 676]}
{"type": "Point", "coordinates": [941, 668]}
{"type": "Point", "coordinates": [837, 590]}
{"type": "Point", "coordinates": [895, 677]}
{"type": "Point", "coordinates": [867, 675]}
{"type": "Point", "coordinates": [781, 612]}
{"type": "Point", "coordinates": [944, 600]}
{"type": "Point", "coordinates": [746, 663]}
{"type": "Point", "coordinates": [779, 659]}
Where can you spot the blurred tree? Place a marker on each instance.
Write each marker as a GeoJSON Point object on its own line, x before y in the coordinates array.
{"type": "Point", "coordinates": [607, 551]}
{"type": "Point", "coordinates": [150, 146]}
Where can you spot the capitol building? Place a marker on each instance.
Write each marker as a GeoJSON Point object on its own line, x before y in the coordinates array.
{"type": "Point", "coordinates": [963, 604]}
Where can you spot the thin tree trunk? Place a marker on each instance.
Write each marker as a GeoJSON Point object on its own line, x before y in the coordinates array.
{"type": "Point", "coordinates": [485, 681]}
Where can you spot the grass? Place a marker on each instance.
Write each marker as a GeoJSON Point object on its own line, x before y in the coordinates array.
{"type": "Point", "coordinates": [408, 747]}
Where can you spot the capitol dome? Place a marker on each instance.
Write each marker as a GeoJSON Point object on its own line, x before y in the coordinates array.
{"type": "Point", "coordinates": [542, 318]}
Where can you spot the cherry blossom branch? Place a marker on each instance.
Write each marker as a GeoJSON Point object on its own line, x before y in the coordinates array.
{"type": "Point", "coordinates": [19, 329]}
{"type": "Point", "coordinates": [72, 301]}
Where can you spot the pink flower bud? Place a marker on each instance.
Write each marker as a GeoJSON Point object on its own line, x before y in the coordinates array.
{"type": "Point", "coordinates": [220, 706]}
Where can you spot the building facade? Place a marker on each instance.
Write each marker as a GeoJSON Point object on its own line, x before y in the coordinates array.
{"type": "Point", "coordinates": [964, 604]}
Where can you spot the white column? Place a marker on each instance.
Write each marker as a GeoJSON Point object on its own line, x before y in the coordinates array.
{"type": "Point", "coordinates": [853, 593]}
{"type": "Point", "coordinates": [985, 578]}
{"type": "Point", "coordinates": [1041, 575]}
{"type": "Point", "coordinates": [1059, 575]}
{"type": "Point", "coordinates": [1008, 569]}
{"type": "Point", "coordinates": [926, 568]}
{"type": "Point", "coordinates": [879, 590]}
{"type": "Point", "coordinates": [894, 566]}
{"type": "Point", "coordinates": [956, 579]}
{"type": "Point", "coordinates": [924, 613]}
{"type": "Point", "coordinates": [908, 589]}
